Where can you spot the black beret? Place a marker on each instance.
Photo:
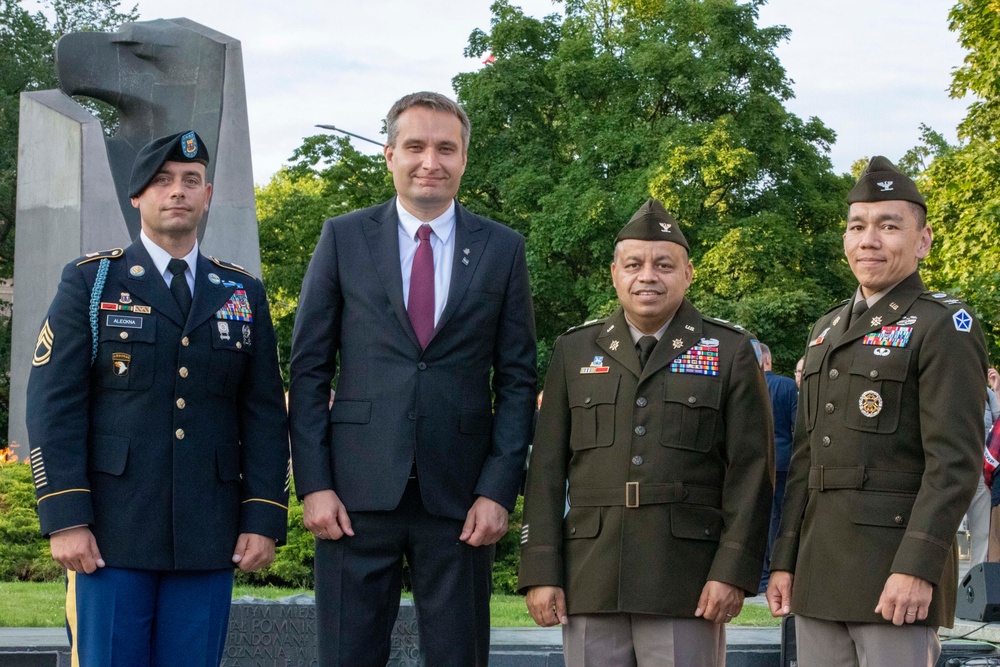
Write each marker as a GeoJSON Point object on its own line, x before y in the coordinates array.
{"type": "Point", "coordinates": [881, 181]}
{"type": "Point", "coordinates": [181, 147]}
{"type": "Point", "coordinates": [652, 223]}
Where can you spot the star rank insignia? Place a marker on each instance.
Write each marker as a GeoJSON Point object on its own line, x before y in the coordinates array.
{"type": "Point", "coordinates": [876, 321]}
{"type": "Point", "coordinates": [613, 346]}
{"type": "Point", "coordinates": [678, 343]}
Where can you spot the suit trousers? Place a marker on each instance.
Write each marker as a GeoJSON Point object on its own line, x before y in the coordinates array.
{"type": "Point", "coordinates": [359, 579]}
{"type": "Point", "coordinates": [642, 640]}
{"type": "Point", "coordinates": [822, 643]}
{"type": "Point", "coordinates": [148, 618]}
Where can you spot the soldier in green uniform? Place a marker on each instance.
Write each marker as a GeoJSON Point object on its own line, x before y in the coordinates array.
{"type": "Point", "coordinates": [888, 448]}
{"type": "Point", "coordinates": [658, 419]}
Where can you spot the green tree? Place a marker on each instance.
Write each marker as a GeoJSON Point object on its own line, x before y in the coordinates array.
{"type": "Point", "coordinates": [580, 118]}
{"type": "Point", "coordinates": [327, 177]}
{"type": "Point", "coordinates": [962, 182]}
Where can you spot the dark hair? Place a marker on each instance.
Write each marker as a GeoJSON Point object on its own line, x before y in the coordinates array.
{"type": "Point", "coordinates": [428, 100]}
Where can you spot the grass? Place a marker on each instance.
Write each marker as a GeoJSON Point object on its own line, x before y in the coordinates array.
{"type": "Point", "coordinates": [29, 605]}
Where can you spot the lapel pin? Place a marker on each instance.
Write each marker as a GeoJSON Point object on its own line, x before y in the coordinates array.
{"type": "Point", "coordinates": [465, 260]}
{"type": "Point", "coordinates": [678, 343]}
{"type": "Point", "coordinates": [689, 327]}
{"type": "Point", "coordinates": [876, 321]}
{"type": "Point", "coordinates": [137, 271]}
{"type": "Point", "coordinates": [836, 320]}
{"type": "Point", "coordinates": [608, 330]}
{"type": "Point", "coordinates": [894, 305]}
{"type": "Point", "coordinates": [613, 346]}
{"type": "Point", "coordinates": [465, 250]}
{"type": "Point", "coordinates": [214, 279]}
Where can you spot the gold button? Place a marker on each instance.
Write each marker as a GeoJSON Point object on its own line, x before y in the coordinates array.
{"type": "Point", "coordinates": [181, 403]}
{"type": "Point", "coordinates": [873, 374]}
{"type": "Point", "coordinates": [826, 441]}
{"type": "Point", "coordinates": [829, 408]}
{"type": "Point", "coordinates": [185, 342]}
{"type": "Point", "coordinates": [898, 519]}
{"type": "Point", "coordinates": [587, 400]}
{"type": "Point", "coordinates": [692, 399]}
{"type": "Point", "coordinates": [179, 433]}
{"type": "Point", "coordinates": [183, 371]}
{"type": "Point", "coordinates": [239, 345]}
{"type": "Point", "coordinates": [123, 335]}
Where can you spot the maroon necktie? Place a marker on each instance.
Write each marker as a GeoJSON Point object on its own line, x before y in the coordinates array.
{"type": "Point", "coordinates": [420, 304]}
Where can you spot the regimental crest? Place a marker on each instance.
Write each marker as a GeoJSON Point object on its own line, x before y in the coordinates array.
{"type": "Point", "coordinates": [125, 298]}
{"type": "Point", "coordinates": [43, 346]}
{"type": "Point", "coordinates": [120, 362]}
{"type": "Point", "coordinates": [189, 145]}
{"type": "Point", "coordinates": [885, 185]}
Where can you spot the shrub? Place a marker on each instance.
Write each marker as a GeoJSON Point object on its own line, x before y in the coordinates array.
{"type": "Point", "coordinates": [24, 553]}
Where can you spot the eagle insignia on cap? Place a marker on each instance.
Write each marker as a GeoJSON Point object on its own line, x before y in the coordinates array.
{"type": "Point", "coordinates": [189, 145]}
{"type": "Point", "coordinates": [885, 185]}
{"type": "Point", "coordinates": [665, 226]}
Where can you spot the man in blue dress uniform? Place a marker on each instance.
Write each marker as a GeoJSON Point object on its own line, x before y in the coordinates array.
{"type": "Point", "coordinates": [157, 429]}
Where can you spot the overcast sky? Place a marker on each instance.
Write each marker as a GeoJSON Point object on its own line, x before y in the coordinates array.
{"type": "Point", "coordinates": [872, 70]}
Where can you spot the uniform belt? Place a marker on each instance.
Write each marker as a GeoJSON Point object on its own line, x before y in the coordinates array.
{"type": "Point", "coordinates": [635, 494]}
{"type": "Point", "coordinates": [827, 478]}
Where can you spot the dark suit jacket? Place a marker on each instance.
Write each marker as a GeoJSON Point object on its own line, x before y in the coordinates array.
{"type": "Point", "coordinates": [174, 441]}
{"type": "Point", "coordinates": [784, 402]}
{"type": "Point", "coordinates": [887, 454]}
{"type": "Point", "coordinates": [463, 406]}
{"type": "Point", "coordinates": [695, 447]}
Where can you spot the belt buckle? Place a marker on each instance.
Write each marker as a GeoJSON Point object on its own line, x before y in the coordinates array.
{"type": "Point", "coordinates": [631, 494]}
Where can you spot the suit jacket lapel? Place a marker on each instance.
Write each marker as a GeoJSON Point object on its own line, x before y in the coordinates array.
{"type": "Point", "coordinates": [470, 240]}
{"type": "Point", "coordinates": [383, 246]}
{"type": "Point", "coordinates": [149, 285]}
{"type": "Point", "coordinates": [208, 297]}
{"type": "Point", "coordinates": [681, 335]}
{"type": "Point", "coordinates": [886, 310]}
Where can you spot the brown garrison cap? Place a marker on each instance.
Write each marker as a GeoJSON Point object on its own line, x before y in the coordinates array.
{"type": "Point", "coordinates": [652, 223]}
{"type": "Point", "coordinates": [881, 181]}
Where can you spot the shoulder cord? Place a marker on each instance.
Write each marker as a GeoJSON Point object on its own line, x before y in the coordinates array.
{"type": "Point", "coordinates": [95, 302]}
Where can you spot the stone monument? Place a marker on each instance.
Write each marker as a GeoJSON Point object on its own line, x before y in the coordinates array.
{"type": "Point", "coordinates": [162, 76]}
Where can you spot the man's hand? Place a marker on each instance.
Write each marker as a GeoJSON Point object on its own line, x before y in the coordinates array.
{"type": "Point", "coordinates": [325, 516]}
{"type": "Point", "coordinates": [485, 523]}
{"type": "Point", "coordinates": [76, 549]}
{"type": "Point", "coordinates": [779, 593]}
{"type": "Point", "coordinates": [547, 605]}
{"type": "Point", "coordinates": [904, 599]}
{"type": "Point", "coordinates": [719, 602]}
{"type": "Point", "coordinates": [253, 551]}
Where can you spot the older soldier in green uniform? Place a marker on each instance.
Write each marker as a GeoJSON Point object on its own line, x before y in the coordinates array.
{"type": "Point", "coordinates": [658, 418]}
{"type": "Point", "coordinates": [887, 448]}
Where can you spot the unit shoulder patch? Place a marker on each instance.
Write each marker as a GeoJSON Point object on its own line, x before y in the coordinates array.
{"type": "Point", "coordinates": [113, 253]}
{"type": "Point", "coordinates": [231, 266]}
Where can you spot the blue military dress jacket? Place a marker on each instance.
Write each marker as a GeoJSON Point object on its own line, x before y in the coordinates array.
{"type": "Point", "coordinates": [167, 437]}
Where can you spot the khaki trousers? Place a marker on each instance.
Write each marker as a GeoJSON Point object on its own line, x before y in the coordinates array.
{"type": "Point", "coordinates": [642, 640]}
{"type": "Point", "coordinates": [835, 644]}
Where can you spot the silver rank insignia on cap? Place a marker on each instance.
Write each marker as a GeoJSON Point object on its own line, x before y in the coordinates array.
{"type": "Point", "coordinates": [137, 271]}
{"type": "Point", "coordinates": [885, 185]}
{"type": "Point", "coordinates": [870, 404]}
{"type": "Point", "coordinates": [665, 227]}
{"type": "Point", "coordinates": [214, 279]}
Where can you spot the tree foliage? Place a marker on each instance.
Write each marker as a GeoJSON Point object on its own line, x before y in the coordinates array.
{"type": "Point", "coordinates": [962, 183]}
{"type": "Point", "coordinates": [578, 119]}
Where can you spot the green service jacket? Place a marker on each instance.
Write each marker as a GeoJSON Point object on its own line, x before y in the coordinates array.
{"type": "Point", "coordinates": [888, 452]}
{"type": "Point", "coordinates": [670, 469]}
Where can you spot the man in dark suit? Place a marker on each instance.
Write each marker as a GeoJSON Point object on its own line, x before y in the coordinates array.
{"type": "Point", "coordinates": [887, 454]}
{"type": "Point", "coordinates": [657, 417]}
{"type": "Point", "coordinates": [784, 403]}
{"type": "Point", "coordinates": [422, 311]}
{"type": "Point", "coordinates": [157, 429]}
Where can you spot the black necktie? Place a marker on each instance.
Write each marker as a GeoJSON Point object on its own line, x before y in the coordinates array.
{"type": "Point", "coordinates": [645, 348]}
{"type": "Point", "coordinates": [860, 306]}
{"type": "Point", "coordinates": [179, 285]}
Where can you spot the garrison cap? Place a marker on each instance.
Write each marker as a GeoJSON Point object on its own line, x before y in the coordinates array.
{"type": "Point", "coordinates": [652, 223]}
{"type": "Point", "coordinates": [181, 147]}
{"type": "Point", "coordinates": [881, 181]}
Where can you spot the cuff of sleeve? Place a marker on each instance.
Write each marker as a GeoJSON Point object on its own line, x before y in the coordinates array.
{"type": "Point", "coordinates": [264, 517]}
{"type": "Point", "coordinates": [64, 509]}
{"type": "Point", "coordinates": [502, 485]}
{"type": "Point", "coordinates": [736, 567]}
{"type": "Point", "coordinates": [921, 558]}
{"type": "Point", "coordinates": [540, 566]}
{"type": "Point", "coordinates": [784, 552]}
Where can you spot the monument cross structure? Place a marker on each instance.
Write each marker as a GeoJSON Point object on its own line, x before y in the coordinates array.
{"type": "Point", "coordinates": [162, 76]}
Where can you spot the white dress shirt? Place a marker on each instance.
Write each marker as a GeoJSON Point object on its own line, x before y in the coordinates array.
{"type": "Point", "coordinates": [161, 258]}
{"type": "Point", "coordinates": [442, 245]}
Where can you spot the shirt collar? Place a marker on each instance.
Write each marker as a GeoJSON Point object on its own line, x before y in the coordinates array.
{"type": "Point", "coordinates": [161, 257]}
{"type": "Point", "coordinates": [442, 226]}
{"type": "Point", "coordinates": [636, 334]}
{"type": "Point", "coordinates": [873, 299]}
